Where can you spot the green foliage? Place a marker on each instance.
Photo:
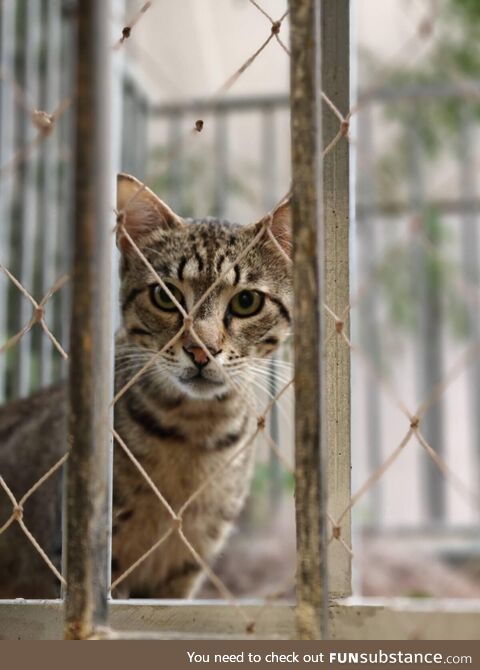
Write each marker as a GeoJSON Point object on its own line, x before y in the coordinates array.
{"type": "Point", "coordinates": [263, 476]}
{"type": "Point", "coordinates": [268, 491]}
{"type": "Point", "coordinates": [454, 57]}
{"type": "Point", "coordinates": [434, 123]}
{"type": "Point", "coordinates": [424, 262]}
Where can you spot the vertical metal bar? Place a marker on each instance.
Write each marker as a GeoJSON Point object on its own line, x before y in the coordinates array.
{"type": "Point", "coordinates": [221, 164]}
{"type": "Point", "coordinates": [470, 267]}
{"type": "Point", "coordinates": [269, 163]}
{"type": "Point", "coordinates": [37, 342]}
{"type": "Point", "coordinates": [50, 159]}
{"type": "Point", "coordinates": [368, 314]}
{"type": "Point", "coordinates": [336, 194]}
{"type": "Point", "coordinates": [308, 270]}
{"type": "Point", "coordinates": [7, 120]}
{"type": "Point", "coordinates": [14, 316]}
{"type": "Point", "coordinates": [31, 82]}
{"type": "Point", "coordinates": [429, 338]}
{"type": "Point", "coordinates": [88, 486]}
{"type": "Point", "coordinates": [118, 131]}
{"type": "Point", "coordinates": [67, 208]}
{"type": "Point", "coordinates": [67, 140]}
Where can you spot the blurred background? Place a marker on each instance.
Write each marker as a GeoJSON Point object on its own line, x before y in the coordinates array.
{"type": "Point", "coordinates": [415, 278]}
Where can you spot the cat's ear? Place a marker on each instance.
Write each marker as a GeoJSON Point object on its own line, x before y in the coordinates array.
{"type": "Point", "coordinates": [140, 211]}
{"type": "Point", "coordinates": [281, 226]}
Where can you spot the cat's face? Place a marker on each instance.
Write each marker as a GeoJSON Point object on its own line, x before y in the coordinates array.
{"type": "Point", "coordinates": [242, 319]}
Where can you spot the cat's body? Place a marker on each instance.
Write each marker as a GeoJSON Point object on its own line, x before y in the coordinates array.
{"type": "Point", "coordinates": [32, 440]}
{"type": "Point", "coordinates": [197, 438]}
{"type": "Point", "coordinates": [182, 420]}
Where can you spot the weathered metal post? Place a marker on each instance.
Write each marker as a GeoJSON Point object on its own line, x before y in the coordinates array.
{"type": "Point", "coordinates": [308, 271]}
{"type": "Point", "coordinates": [88, 488]}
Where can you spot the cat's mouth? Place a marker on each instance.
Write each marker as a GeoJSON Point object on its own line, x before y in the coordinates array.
{"type": "Point", "coordinates": [201, 386]}
{"type": "Point", "coordinates": [200, 380]}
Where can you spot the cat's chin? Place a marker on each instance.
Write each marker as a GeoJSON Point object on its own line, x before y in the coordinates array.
{"type": "Point", "coordinates": [201, 388]}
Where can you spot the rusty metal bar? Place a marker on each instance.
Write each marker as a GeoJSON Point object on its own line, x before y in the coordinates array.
{"type": "Point", "coordinates": [310, 472]}
{"type": "Point", "coordinates": [88, 487]}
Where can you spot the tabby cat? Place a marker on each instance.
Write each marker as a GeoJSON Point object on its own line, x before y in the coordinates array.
{"type": "Point", "coordinates": [182, 418]}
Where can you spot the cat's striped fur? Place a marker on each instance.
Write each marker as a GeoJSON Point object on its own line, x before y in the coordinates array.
{"type": "Point", "coordinates": [182, 419]}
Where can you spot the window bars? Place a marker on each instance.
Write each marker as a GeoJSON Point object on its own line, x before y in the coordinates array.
{"type": "Point", "coordinates": [87, 539]}
{"type": "Point", "coordinates": [89, 462]}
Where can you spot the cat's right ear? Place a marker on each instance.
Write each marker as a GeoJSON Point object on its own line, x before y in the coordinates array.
{"type": "Point", "coordinates": [281, 226]}
{"type": "Point", "coordinates": [140, 212]}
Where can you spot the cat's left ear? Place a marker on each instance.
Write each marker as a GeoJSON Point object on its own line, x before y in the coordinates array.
{"type": "Point", "coordinates": [281, 226]}
{"type": "Point", "coordinates": [141, 211]}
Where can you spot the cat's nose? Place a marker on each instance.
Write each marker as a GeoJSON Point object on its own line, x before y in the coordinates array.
{"type": "Point", "coordinates": [199, 356]}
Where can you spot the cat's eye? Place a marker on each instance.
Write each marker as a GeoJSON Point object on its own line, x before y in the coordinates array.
{"type": "Point", "coordinates": [161, 299]}
{"type": "Point", "coordinates": [246, 303]}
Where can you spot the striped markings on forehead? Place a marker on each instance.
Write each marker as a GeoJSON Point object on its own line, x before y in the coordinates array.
{"type": "Point", "coordinates": [198, 265]}
{"type": "Point", "coordinates": [203, 250]}
{"type": "Point", "coordinates": [204, 254]}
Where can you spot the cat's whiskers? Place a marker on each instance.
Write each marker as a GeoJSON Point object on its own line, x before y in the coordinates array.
{"type": "Point", "coordinates": [242, 385]}
{"type": "Point", "coordinates": [270, 363]}
{"type": "Point", "coordinates": [283, 375]}
{"type": "Point", "coordinates": [131, 357]}
{"type": "Point", "coordinates": [264, 388]}
{"type": "Point", "coordinates": [267, 362]}
{"type": "Point", "coordinates": [235, 367]}
{"type": "Point", "coordinates": [286, 415]}
{"type": "Point", "coordinates": [234, 380]}
{"type": "Point", "coordinates": [272, 375]}
{"type": "Point", "coordinates": [133, 361]}
{"type": "Point", "coordinates": [127, 365]}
